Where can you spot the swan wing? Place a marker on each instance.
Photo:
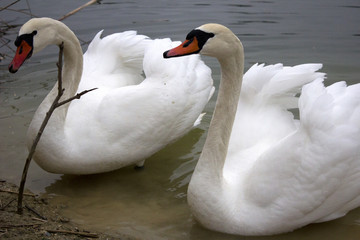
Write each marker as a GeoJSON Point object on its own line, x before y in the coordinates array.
{"type": "Point", "coordinates": [313, 174]}
{"type": "Point", "coordinates": [114, 61]}
{"type": "Point", "coordinates": [262, 116]}
{"type": "Point", "coordinates": [278, 84]}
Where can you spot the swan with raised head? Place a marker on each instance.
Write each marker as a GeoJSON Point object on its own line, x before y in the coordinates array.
{"type": "Point", "coordinates": [262, 172]}
{"type": "Point", "coordinates": [128, 118]}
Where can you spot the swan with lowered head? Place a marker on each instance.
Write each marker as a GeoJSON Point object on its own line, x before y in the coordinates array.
{"type": "Point", "coordinates": [262, 172]}
{"type": "Point", "coordinates": [128, 118]}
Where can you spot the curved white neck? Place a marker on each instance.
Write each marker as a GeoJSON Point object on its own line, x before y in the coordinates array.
{"type": "Point", "coordinates": [73, 63]}
{"type": "Point", "coordinates": [214, 153]}
{"type": "Point", "coordinates": [71, 75]}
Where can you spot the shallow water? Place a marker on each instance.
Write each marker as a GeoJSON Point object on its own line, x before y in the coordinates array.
{"type": "Point", "coordinates": [151, 204]}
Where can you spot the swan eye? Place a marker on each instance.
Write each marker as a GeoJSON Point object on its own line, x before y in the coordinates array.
{"type": "Point", "coordinates": [200, 35]}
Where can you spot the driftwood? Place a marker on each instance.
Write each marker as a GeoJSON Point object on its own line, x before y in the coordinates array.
{"type": "Point", "coordinates": [35, 212]}
{"type": "Point", "coordinates": [20, 225]}
{"type": "Point", "coordinates": [78, 9]}
{"type": "Point", "coordinates": [39, 219]}
{"type": "Point", "coordinates": [19, 11]}
{"type": "Point", "coordinates": [53, 106]}
{"type": "Point", "coordinates": [3, 207]}
{"type": "Point", "coordinates": [7, 6]}
{"type": "Point", "coordinates": [13, 192]}
{"type": "Point", "coordinates": [83, 234]}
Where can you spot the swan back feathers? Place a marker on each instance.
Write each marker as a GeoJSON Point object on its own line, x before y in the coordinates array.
{"type": "Point", "coordinates": [116, 52]}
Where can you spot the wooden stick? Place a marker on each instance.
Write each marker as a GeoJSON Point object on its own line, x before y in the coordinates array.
{"type": "Point", "coordinates": [38, 219]}
{"type": "Point", "coordinates": [3, 207]}
{"type": "Point", "coordinates": [26, 194]}
{"type": "Point", "coordinates": [35, 212]}
{"type": "Point", "coordinates": [3, 8]}
{"type": "Point", "coordinates": [77, 9]}
{"type": "Point", "coordinates": [84, 234]}
{"type": "Point", "coordinates": [53, 106]}
{"type": "Point", "coordinates": [41, 130]}
{"type": "Point", "coordinates": [77, 96]}
{"type": "Point", "coordinates": [20, 225]}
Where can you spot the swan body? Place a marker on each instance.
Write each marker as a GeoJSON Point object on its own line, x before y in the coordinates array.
{"type": "Point", "coordinates": [127, 118]}
{"type": "Point", "coordinates": [261, 171]}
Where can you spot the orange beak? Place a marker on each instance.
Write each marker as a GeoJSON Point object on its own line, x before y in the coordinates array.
{"type": "Point", "coordinates": [23, 52]}
{"type": "Point", "coordinates": [188, 47]}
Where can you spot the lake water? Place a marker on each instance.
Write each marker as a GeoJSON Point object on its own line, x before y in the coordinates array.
{"type": "Point", "coordinates": [151, 204]}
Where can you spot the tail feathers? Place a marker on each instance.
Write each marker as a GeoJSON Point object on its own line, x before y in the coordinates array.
{"type": "Point", "coordinates": [278, 84]}
{"type": "Point", "coordinates": [115, 53]}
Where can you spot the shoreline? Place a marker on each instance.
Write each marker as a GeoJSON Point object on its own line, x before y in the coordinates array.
{"type": "Point", "coordinates": [40, 218]}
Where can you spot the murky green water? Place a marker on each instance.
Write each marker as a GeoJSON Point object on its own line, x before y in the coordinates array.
{"type": "Point", "coordinates": [151, 204]}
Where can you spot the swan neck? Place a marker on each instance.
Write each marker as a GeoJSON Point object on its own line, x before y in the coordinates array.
{"type": "Point", "coordinates": [71, 75]}
{"type": "Point", "coordinates": [72, 66]}
{"type": "Point", "coordinates": [216, 145]}
{"type": "Point", "coordinates": [72, 63]}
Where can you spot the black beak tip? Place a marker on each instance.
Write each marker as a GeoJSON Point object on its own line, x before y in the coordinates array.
{"type": "Point", "coordinates": [11, 69]}
{"type": "Point", "coordinates": [165, 54]}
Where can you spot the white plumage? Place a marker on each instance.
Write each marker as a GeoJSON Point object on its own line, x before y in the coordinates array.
{"type": "Point", "coordinates": [262, 171]}
{"type": "Point", "coordinates": [128, 118]}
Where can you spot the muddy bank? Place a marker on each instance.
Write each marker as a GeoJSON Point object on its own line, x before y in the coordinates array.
{"type": "Point", "coordinates": [40, 220]}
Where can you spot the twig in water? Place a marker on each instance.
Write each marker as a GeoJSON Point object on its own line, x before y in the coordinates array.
{"type": "Point", "coordinates": [3, 8]}
{"type": "Point", "coordinates": [77, 9]}
{"type": "Point", "coordinates": [53, 106]}
{"type": "Point", "coordinates": [6, 44]}
{"type": "Point", "coordinates": [28, 5]}
{"type": "Point", "coordinates": [41, 130]}
{"type": "Point", "coordinates": [84, 234]}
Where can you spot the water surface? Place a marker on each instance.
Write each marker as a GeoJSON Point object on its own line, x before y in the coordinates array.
{"type": "Point", "coordinates": [151, 204]}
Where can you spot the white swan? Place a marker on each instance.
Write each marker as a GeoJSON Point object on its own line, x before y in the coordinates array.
{"type": "Point", "coordinates": [119, 123]}
{"type": "Point", "coordinates": [262, 172]}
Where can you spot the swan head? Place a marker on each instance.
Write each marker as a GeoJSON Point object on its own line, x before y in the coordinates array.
{"type": "Point", "coordinates": [209, 39]}
{"type": "Point", "coordinates": [34, 35]}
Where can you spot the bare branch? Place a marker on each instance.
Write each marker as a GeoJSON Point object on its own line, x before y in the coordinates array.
{"type": "Point", "coordinates": [84, 234]}
{"type": "Point", "coordinates": [3, 8]}
{"type": "Point", "coordinates": [35, 212]}
{"type": "Point", "coordinates": [5, 43]}
{"type": "Point", "coordinates": [78, 9]}
{"type": "Point", "coordinates": [53, 106]}
{"type": "Point", "coordinates": [3, 207]}
{"type": "Point", "coordinates": [13, 192]}
{"type": "Point", "coordinates": [20, 225]}
{"type": "Point", "coordinates": [59, 65]}
{"type": "Point", "coordinates": [77, 96]}
{"type": "Point", "coordinates": [38, 136]}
